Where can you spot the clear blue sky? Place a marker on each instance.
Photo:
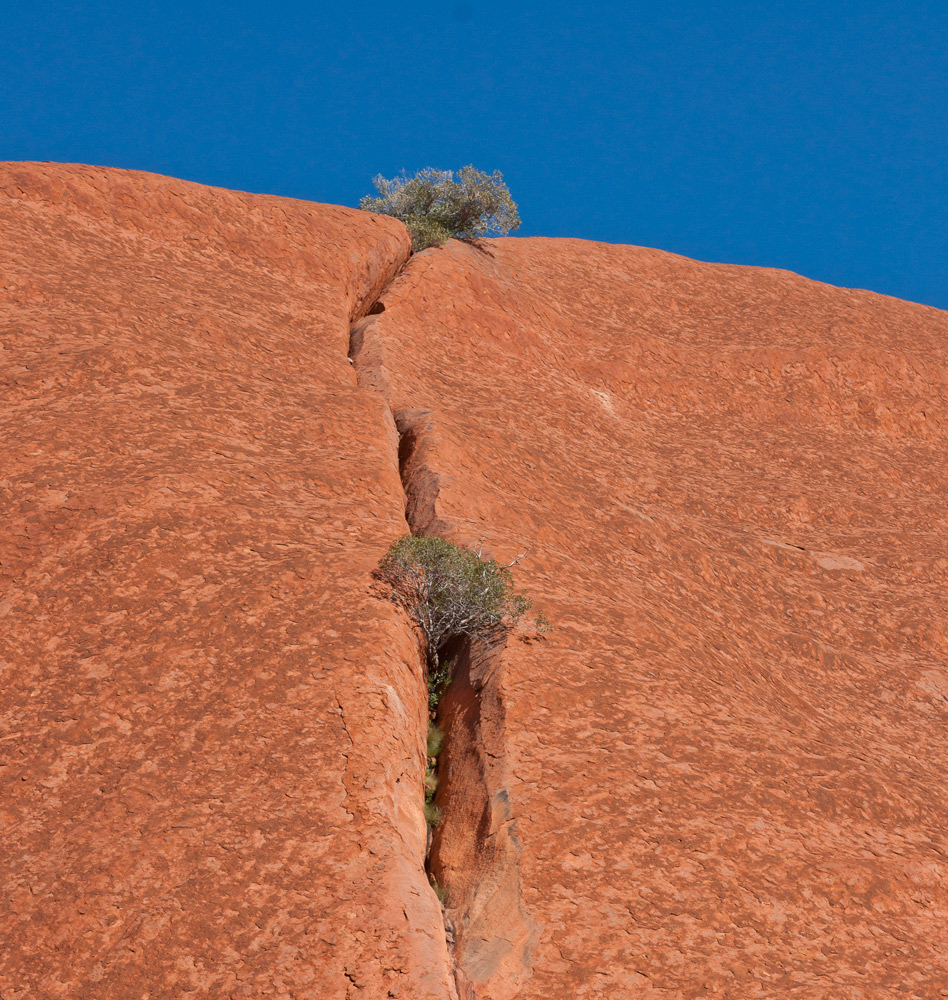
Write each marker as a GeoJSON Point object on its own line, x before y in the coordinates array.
{"type": "Point", "coordinates": [809, 136]}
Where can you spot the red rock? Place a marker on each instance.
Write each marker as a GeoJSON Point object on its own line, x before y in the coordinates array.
{"type": "Point", "coordinates": [211, 732]}
{"type": "Point", "coordinates": [722, 773]}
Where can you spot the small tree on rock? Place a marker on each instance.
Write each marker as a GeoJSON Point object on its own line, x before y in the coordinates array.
{"type": "Point", "coordinates": [451, 592]}
{"type": "Point", "coordinates": [434, 206]}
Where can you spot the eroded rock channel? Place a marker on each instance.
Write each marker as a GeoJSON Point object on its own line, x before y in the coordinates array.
{"type": "Point", "coordinates": [472, 858]}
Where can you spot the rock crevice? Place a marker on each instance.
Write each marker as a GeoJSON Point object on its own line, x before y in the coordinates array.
{"type": "Point", "coordinates": [473, 854]}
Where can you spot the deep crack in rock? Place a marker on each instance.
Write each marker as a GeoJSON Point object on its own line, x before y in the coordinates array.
{"type": "Point", "coordinates": [472, 853]}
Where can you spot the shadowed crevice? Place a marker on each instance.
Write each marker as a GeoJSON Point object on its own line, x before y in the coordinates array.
{"type": "Point", "coordinates": [421, 484]}
{"type": "Point", "coordinates": [473, 854]}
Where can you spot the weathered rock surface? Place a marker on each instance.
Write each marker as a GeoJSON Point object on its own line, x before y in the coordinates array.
{"type": "Point", "coordinates": [211, 733]}
{"type": "Point", "coordinates": [723, 773]}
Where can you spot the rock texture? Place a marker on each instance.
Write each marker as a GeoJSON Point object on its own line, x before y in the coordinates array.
{"type": "Point", "coordinates": [723, 773]}
{"type": "Point", "coordinates": [211, 732]}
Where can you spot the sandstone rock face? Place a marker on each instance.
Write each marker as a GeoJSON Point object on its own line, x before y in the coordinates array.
{"type": "Point", "coordinates": [211, 732]}
{"type": "Point", "coordinates": [722, 773]}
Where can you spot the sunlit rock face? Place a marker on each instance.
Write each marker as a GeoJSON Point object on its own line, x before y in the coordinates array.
{"type": "Point", "coordinates": [724, 767]}
{"type": "Point", "coordinates": [721, 773]}
{"type": "Point", "coordinates": [212, 731]}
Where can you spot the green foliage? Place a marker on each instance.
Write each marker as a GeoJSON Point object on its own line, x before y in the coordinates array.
{"type": "Point", "coordinates": [451, 592]}
{"type": "Point", "coordinates": [439, 890]}
{"type": "Point", "coordinates": [440, 676]}
{"type": "Point", "coordinates": [434, 206]}
{"type": "Point", "coordinates": [426, 232]}
{"type": "Point", "coordinates": [432, 814]}
{"type": "Point", "coordinates": [435, 740]}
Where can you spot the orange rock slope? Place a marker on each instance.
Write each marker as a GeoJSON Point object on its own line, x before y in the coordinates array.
{"type": "Point", "coordinates": [722, 773]}
{"type": "Point", "coordinates": [212, 733]}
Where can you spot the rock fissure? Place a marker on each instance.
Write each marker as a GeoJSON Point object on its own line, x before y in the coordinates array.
{"type": "Point", "coordinates": [472, 856]}
{"type": "Point", "coordinates": [420, 487]}
{"type": "Point", "coordinates": [345, 729]}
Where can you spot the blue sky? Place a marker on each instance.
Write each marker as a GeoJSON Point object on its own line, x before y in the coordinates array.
{"type": "Point", "coordinates": [808, 136]}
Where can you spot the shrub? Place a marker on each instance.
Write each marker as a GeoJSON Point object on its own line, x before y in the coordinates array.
{"type": "Point", "coordinates": [434, 206]}
{"type": "Point", "coordinates": [432, 814]}
{"type": "Point", "coordinates": [435, 740]}
{"type": "Point", "coordinates": [451, 592]}
{"type": "Point", "coordinates": [439, 890]}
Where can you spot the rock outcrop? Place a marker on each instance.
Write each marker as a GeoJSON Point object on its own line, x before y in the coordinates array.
{"type": "Point", "coordinates": [212, 732]}
{"type": "Point", "coordinates": [722, 773]}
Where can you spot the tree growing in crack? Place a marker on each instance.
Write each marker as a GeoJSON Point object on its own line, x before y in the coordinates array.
{"type": "Point", "coordinates": [434, 206]}
{"type": "Point", "coordinates": [451, 593]}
